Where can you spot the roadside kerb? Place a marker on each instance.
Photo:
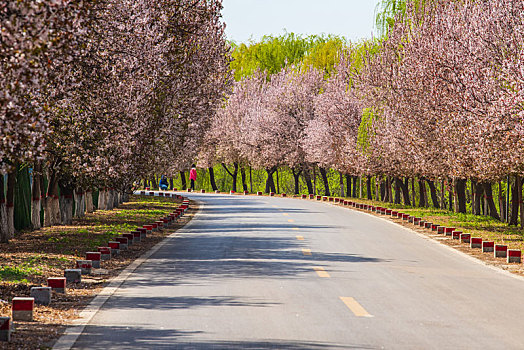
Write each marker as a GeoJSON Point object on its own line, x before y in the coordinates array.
{"type": "Point", "coordinates": [22, 308]}
{"type": "Point", "coordinates": [58, 284]}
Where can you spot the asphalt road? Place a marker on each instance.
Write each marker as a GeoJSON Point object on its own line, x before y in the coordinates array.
{"type": "Point", "coordinates": [276, 273]}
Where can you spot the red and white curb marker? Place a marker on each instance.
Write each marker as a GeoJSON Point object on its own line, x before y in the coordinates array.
{"type": "Point", "coordinates": [202, 191]}
{"type": "Point", "coordinates": [115, 247]}
{"type": "Point", "coordinates": [123, 243]}
{"type": "Point", "coordinates": [105, 253]}
{"type": "Point", "coordinates": [95, 258]}
{"type": "Point", "coordinates": [58, 284]}
{"type": "Point", "coordinates": [85, 266]}
{"type": "Point", "coordinates": [465, 238]}
{"type": "Point", "coordinates": [488, 247]}
{"type": "Point", "coordinates": [137, 236]}
{"type": "Point", "coordinates": [42, 295]}
{"type": "Point", "coordinates": [22, 308]}
{"type": "Point", "coordinates": [514, 256]}
{"type": "Point", "coordinates": [501, 251]}
{"type": "Point", "coordinates": [5, 329]}
{"type": "Point", "coordinates": [455, 234]}
{"type": "Point", "coordinates": [73, 275]}
{"type": "Point", "coordinates": [476, 242]}
{"type": "Point", "coordinates": [130, 238]}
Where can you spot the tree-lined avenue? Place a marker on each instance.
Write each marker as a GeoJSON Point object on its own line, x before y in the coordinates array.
{"type": "Point", "coordinates": [238, 278]}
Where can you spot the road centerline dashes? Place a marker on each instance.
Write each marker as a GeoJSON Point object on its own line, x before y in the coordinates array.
{"type": "Point", "coordinates": [357, 309]}
{"type": "Point", "coordinates": [321, 272]}
{"type": "Point", "coordinates": [300, 238]}
{"type": "Point", "coordinates": [306, 251]}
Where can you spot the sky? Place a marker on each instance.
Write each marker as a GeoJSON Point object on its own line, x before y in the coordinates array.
{"type": "Point", "coordinates": [245, 19]}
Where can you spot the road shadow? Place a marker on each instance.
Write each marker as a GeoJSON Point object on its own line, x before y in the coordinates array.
{"type": "Point", "coordinates": [112, 337]}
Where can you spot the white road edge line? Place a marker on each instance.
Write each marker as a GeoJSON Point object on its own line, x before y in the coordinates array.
{"type": "Point", "coordinates": [73, 332]}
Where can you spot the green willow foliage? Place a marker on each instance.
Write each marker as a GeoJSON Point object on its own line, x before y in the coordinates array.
{"type": "Point", "coordinates": [386, 11]}
{"type": "Point", "coordinates": [273, 53]}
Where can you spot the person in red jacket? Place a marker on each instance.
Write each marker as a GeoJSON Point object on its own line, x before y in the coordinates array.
{"type": "Point", "coordinates": [193, 176]}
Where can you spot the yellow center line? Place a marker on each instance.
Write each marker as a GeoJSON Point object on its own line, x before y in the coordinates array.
{"type": "Point", "coordinates": [285, 214]}
{"type": "Point", "coordinates": [306, 251]}
{"type": "Point", "coordinates": [355, 307]}
{"type": "Point", "coordinates": [291, 220]}
{"type": "Point", "coordinates": [275, 206]}
{"type": "Point", "coordinates": [300, 238]}
{"type": "Point", "coordinates": [295, 228]}
{"type": "Point", "coordinates": [321, 272]}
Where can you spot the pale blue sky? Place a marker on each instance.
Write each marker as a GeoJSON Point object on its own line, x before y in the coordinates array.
{"type": "Point", "coordinates": [353, 19]}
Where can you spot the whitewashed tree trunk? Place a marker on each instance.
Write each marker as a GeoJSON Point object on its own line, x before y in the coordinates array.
{"type": "Point", "coordinates": [66, 209]}
{"type": "Point", "coordinates": [10, 221]}
{"type": "Point", "coordinates": [101, 196]}
{"type": "Point", "coordinates": [89, 202]}
{"type": "Point", "coordinates": [57, 219]}
{"type": "Point", "coordinates": [35, 213]}
{"type": "Point", "coordinates": [48, 211]}
{"type": "Point", "coordinates": [116, 198]}
{"type": "Point", "coordinates": [109, 200]}
{"type": "Point", "coordinates": [4, 231]}
{"type": "Point", "coordinates": [80, 204]}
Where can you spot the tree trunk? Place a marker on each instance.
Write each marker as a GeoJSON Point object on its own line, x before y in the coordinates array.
{"type": "Point", "coordinates": [398, 184]}
{"type": "Point", "coordinates": [341, 180]}
{"type": "Point", "coordinates": [492, 209]}
{"type": "Point", "coordinates": [355, 185]}
{"type": "Point", "coordinates": [109, 199]}
{"type": "Point", "coordinates": [250, 179]}
{"type": "Point", "coordinates": [183, 179]}
{"type": "Point", "coordinates": [450, 196]}
{"type": "Point", "coordinates": [270, 184]}
{"type": "Point", "coordinates": [502, 202]}
{"type": "Point", "coordinates": [116, 198]}
{"type": "Point", "coordinates": [212, 178]}
{"type": "Point", "coordinates": [4, 236]}
{"type": "Point", "coordinates": [307, 178]}
{"type": "Point", "coordinates": [460, 195]}
{"type": "Point", "coordinates": [477, 190]}
{"type": "Point", "coordinates": [404, 186]}
{"type": "Point", "coordinates": [36, 197]}
{"type": "Point", "coordinates": [422, 202]}
{"type": "Point", "coordinates": [348, 185]}
{"type": "Point", "coordinates": [89, 201]}
{"type": "Point", "coordinates": [521, 205]}
{"type": "Point", "coordinates": [296, 176]}
{"type": "Point", "coordinates": [243, 175]}
{"type": "Point", "coordinates": [171, 184]}
{"type": "Point", "coordinates": [515, 189]}
{"type": "Point", "coordinates": [314, 180]}
{"type": "Point", "coordinates": [413, 192]}
{"type": "Point", "coordinates": [378, 180]}
{"type": "Point", "coordinates": [443, 194]}
{"type": "Point", "coordinates": [278, 182]}
{"type": "Point", "coordinates": [233, 174]}
{"type": "Point", "coordinates": [433, 192]}
{"type": "Point", "coordinates": [80, 203]}
{"type": "Point", "coordinates": [368, 188]}
{"type": "Point", "coordinates": [66, 202]}
{"type": "Point", "coordinates": [51, 206]}
{"type": "Point", "coordinates": [325, 181]}
{"type": "Point", "coordinates": [10, 202]}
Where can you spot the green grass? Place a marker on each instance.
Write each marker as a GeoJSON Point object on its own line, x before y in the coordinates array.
{"type": "Point", "coordinates": [18, 274]}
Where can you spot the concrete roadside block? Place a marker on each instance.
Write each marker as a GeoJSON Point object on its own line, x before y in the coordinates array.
{"type": "Point", "coordinates": [428, 225]}
{"type": "Point", "coordinates": [58, 284]}
{"type": "Point", "coordinates": [143, 193]}
{"type": "Point", "coordinates": [475, 242]}
{"type": "Point", "coordinates": [73, 275]}
{"type": "Point", "coordinates": [246, 193]}
{"type": "Point", "coordinates": [416, 221]}
{"type": "Point", "coordinates": [189, 190]}
{"type": "Point", "coordinates": [149, 229]}
{"type": "Point", "coordinates": [319, 198]}
{"type": "Point", "coordinates": [152, 194]}
{"type": "Point", "coordinates": [488, 247]}
{"type": "Point", "coordinates": [259, 193]}
{"type": "Point", "coordinates": [435, 228]}
{"type": "Point", "coordinates": [465, 238]}
{"type": "Point", "coordinates": [202, 191]}
{"type": "Point", "coordinates": [514, 256]}
{"type": "Point", "coordinates": [331, 199]}
{"type": "Point", "coordinates": [304, 196]}
{"type": "Point", "coordinates": [85, 266]}
{"type": "Point", "coordinates": [272, 194]}
{"type": "Point", "coordinates": [283, 195]}
{"type": "Point", "coordinates": [168, 195]}
{"type": "Point", "coordinates": [136, 236]}
{"type": "Point", "coordinates": [217, 191]}
{"type": "Point", "coordinates": [388, 211]}
{"type": "Point", "coordinates": [231, 192]}
{"type": "Point", "coordinates": [159, 224]}
{"type": "Point", "coordinates": [95, 258]}
{"type": "Point", "coordinates": [311, 196]}
{"type": "Point", "coordinates": [122, 243]}
{"type": "Point", "coordinates": [346, 203]}
{"type": "Point", "coordinates": [42, 295]}
{"type": "Point", "coordinates": [130, 238]}
{"type": "Point", "coordinates": [115, 247]}
{"type": "Point", "coordinates": [105, 253]}
{"type": "Point", "coordinates": [422, 223]}
{"type": "Point", "coordinates": [449, 230]}
{"type": "Point", "coordinates": [22, 308]}
{"type": "Point", "coordinates": [456, 234]}
{"type": "Point", "coordinates": [337, 200]}
{"type": "Point", "coordinates": [5, 329]}
{"type": "Point", "coordinates": [410, 219]}
{"type": "Point", "coordinates": [161, 194]}
{"type": "Point", "coordinates": [405, 217]}
{"type": "Point", "coordinates": [142, 230]}
{"type": "Point", "coordinates": [324, 199]}
{"type": "Point", "coordinates": [501, 251]}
